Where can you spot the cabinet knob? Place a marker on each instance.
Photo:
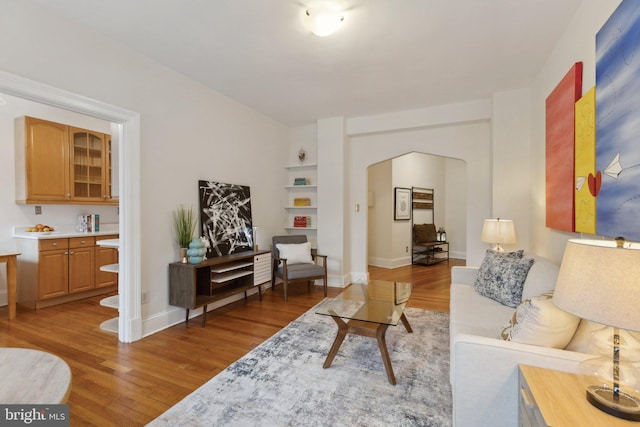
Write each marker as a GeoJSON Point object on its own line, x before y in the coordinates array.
{"type": "Point", "coordinates": [66, 253]}
{"type": "Point", "coordinates": [71, 253]}
{"type": "Point", "coordinates": [54, 244]}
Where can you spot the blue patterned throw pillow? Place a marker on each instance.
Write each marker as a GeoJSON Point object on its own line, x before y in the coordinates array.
{"type": "Point", "coordinates": [501, 276]}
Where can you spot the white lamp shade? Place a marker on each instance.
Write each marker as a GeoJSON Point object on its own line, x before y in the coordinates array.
{"type": "Point", "coordinates": [601, 282]}
{"type": "Point", "coordinates": [498, 231]}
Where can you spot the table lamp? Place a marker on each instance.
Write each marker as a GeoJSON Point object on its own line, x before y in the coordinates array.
{"type": "Point", "coordinates": [600, 281]}
{"type": "Point", "coordinates": [498, 231]}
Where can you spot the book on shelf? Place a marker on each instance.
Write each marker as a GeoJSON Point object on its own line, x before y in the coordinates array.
{"type": "Point", "coordinates": [302, 221]}
{"type": "Point", "coordinates": [302, 201]}
{"type": "Point", "coordinates": [300, 181]}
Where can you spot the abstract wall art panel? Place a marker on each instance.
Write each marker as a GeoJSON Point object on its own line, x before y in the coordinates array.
{"type": "Point", "coordinates": [585, 158]}
{"type": "Point", "coordinates": [618, 123]}
{"type": "Point", "coordinates": [225, 217]}
{"type": "Point", "coordinates": [560, 143]}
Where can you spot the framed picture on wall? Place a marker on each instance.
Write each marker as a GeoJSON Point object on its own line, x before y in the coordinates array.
{"type": "Point", "coordinates": [402, 204]}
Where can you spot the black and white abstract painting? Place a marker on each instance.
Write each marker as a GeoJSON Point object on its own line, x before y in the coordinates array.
{"type": "Point", "coordinates": [225, 217]}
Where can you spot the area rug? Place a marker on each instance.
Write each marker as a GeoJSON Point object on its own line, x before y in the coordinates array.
{"type": "Point", "coordinates": [282, 383]}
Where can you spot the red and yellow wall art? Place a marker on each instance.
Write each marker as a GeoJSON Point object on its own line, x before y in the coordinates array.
{"type": "Point", "coordinates": [585, 166]}
{"type": "Point", "coordinates": [560, 150]}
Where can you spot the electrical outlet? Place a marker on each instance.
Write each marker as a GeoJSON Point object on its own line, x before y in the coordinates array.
{"type": "Point", "coordinates": [38, 210]}
{"type": "Point", "coordinates": [145, 298]}
{"type": "Point", "coordinates": [406, 249]}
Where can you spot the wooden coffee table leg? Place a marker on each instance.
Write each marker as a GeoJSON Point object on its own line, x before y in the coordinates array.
{"type": "Point", "coordinates": [342, 332]}
{"type": "Point", "coordinates": [406, 324]}
{"type": "Point", "coordinates": [382, 345]}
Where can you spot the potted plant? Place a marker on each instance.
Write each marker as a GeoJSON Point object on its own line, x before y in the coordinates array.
{"type": "Point", "coordinates": [184, 220]}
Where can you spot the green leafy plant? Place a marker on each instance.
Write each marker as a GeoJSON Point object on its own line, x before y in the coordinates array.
{"type": "Point", "coordinates": [184, 220]}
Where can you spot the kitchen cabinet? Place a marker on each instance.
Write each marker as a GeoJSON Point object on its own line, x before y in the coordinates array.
{"type": "Point", "coordinates": [54, 271]}
{"type": "Point", "coordinates": [81, 264]}
{"type": "Point", "coordinates": [42, 161]}
{"type": "Point", "coordinates": [89, 157]}
{"type": "Point", "coordinates": [56, 163]}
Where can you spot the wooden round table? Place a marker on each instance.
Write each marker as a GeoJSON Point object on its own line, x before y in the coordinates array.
{"type": "Point", "coordinates": [33, 377]}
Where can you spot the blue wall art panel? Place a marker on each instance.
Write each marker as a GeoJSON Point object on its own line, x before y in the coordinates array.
{"type": "Point", "coordinates": [617, 181]}
{"type": "Point", "coordinates": [225, 217]}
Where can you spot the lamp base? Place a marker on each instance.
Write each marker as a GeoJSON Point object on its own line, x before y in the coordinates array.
{"type": "Point", "coordinates": [625, 406]}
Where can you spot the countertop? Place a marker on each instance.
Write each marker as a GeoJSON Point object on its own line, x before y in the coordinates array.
{"type": "Point", "coordinates": [64, 231]}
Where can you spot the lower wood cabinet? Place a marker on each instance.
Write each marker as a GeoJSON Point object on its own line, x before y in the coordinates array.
{"type": "Point", "coordinates": [81, 264]}
{"type": "Point", "coordinates": [54, 265]}
{"type": "Point", "coordinates": [197, 285]}
{"type": "Point", "coordinates": [54, 271]}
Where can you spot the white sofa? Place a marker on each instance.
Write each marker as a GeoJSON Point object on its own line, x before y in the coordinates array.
{"type": "Point", "coordinates": [484, 368]}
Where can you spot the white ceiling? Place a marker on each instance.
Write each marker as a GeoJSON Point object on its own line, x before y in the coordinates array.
{"type": "Point", "coordinates": [389, 55]}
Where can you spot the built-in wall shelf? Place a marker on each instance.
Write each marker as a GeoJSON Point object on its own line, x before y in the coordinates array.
{"type": "Point", "coordinates": [302, 166]}
{"type": "Point", "coordinates": [110, 268]}
{"type": "Point", "coordinates": [300, 187]}
{"type": "Point", "coordinates": [301, 200]}
{"type": "Point", "coordinates": [110, 325]}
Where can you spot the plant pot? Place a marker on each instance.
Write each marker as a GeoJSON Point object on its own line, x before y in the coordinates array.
{"type": "Point", "coordinates": [183, 255]}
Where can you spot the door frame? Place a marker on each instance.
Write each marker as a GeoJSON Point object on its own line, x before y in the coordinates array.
{"type": "Point", "coordinates": [127, 124]}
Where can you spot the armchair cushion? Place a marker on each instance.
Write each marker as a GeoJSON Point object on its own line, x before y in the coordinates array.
{"type": "Point", "coordinates": [302, 271]}
{"type": "Point", "coordinates": [297, 253]}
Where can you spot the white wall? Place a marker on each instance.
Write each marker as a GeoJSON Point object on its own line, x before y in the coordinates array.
{"type": "Point", "coordinates": [188, 132]}
{"type": "Point", "coordinates": [577, 44]}
{"type": "Point", "coordinates": [380, 215]}
{"type": "Point", "coordinates": [511, 168]}
{"type": "Point", "coordinates": [333, 203]}
{"type": "Point", "coordinates": [456, 182]}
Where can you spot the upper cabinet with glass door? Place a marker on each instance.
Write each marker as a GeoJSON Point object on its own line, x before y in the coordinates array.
{"type": "Point", "coordinates": [89, 157]}
{"type": "Point", "coordinates": [82, 172]}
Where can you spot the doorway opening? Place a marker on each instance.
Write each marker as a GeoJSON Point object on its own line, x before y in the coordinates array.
{"type": "Point", "coordinates": [125, 129]}
{"type": "Point", "coordinates": [389, 237]}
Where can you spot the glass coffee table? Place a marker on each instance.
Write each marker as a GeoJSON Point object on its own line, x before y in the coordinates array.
{"type": "Point", "coordinates": [368, 310]}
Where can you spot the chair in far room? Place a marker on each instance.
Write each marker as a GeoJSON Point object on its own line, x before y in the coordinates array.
{"type": "Point", "coordinates": [294, 261]}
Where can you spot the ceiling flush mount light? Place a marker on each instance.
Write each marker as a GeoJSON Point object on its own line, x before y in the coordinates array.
{"type": "Point", "coordinates": [323, 21]}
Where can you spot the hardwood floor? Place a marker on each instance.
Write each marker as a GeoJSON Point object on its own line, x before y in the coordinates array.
{"type": "Point", "coordinates": [131, 384]}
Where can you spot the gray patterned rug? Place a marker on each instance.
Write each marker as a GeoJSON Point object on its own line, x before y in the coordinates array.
{"type": "Point", "coordinates": [282, 383]}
